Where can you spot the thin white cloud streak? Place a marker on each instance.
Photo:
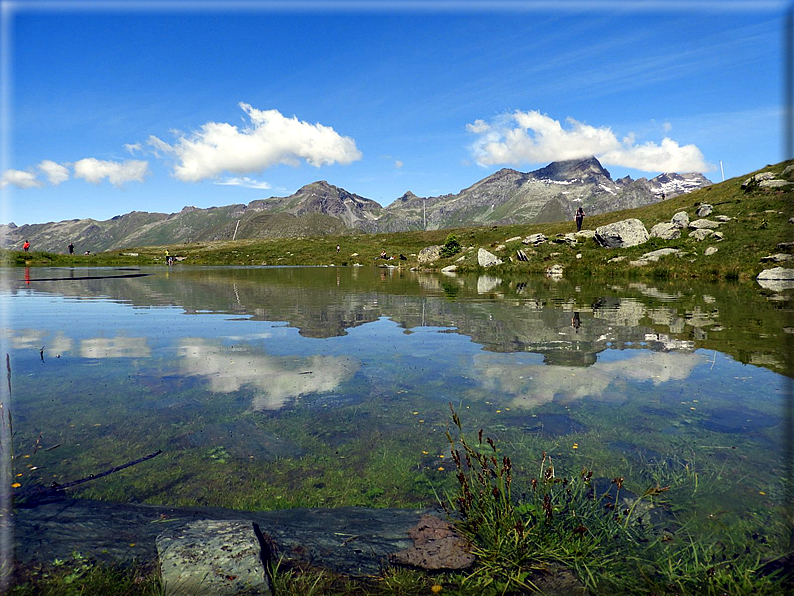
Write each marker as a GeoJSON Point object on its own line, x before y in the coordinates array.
{"type": "Point", "coordinates": [398, 164]}
{"type": "Point", "coordinates": [270, 139]}
{"type": "Point", "coordinates": [20, 179]}
{"type": "Point", "coordinates": [95, 170]}
{"type": "Point", "coordinates": [55, 172]}
{"type": "Point", "coordinates": [244, 182]}
{"type": "Point", "coordinates": [531, 137]}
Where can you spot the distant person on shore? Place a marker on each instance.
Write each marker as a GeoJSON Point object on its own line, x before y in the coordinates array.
{"type": "Point", "coordinates": [338, 248]}
{"type": "Point", "coordinates": [26, 246]}
{"type": "Point", "coordinates": [383, 255]}
{"type": "Point", "coordinates": [71, 248]}
{"type": "Point", "coordinates": [579, 217]}
{"type": "Point", "coordinates": [88, 252]}
{"type": "Point", "coordinates": [576, 322]}
{"type": "Point", "coordinates": [169, 260]}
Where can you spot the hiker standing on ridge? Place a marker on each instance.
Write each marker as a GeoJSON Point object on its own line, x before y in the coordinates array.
{"type": "Point", "coordinates": [579, 217]}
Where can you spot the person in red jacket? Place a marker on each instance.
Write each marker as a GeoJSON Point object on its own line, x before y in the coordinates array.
{"type": "Point", "coordinates": [26, 246]}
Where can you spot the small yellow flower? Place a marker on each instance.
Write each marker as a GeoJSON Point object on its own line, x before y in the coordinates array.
{"type": "Point", "coordinates": [16, 485]}
{"type": "Point", "coordinates": [436, 589]}
{"type": "Point", "coordinates": [498, 411]}
{"type": "Point", "coordinates": [425, 452]}
{"type": "Point", "coordinates": [440, 468]}
{"type": "Point", "coordinates": [421, 420]}
{"type": "Point", "coordinates": [414, 413]}
{"type": "Point", "coordinates": [691, 408]}
{"type": "Point", "coordinates": [441, 456]}
{"type": "Point", "coordinates": [760, 492]}
{"type": "Point", "coordinates": [576, 445]}
{"type": "Point", "coordinates": [20, 474]}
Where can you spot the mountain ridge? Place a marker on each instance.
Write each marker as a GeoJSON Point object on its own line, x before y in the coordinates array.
{"type": "Point", "coordinates": [507, 196]}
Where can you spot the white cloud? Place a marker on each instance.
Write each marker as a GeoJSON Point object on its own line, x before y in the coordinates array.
{"type": "Point", "coordinates": [532, 137]}
{"type": "Point", "coordinates": [20, 179]}
{"type": "Point", "coordinates": [245, 182]}
{"type": "Point", "coordinates": [133, 148]}
{"type": "Point", "coordinates": [398, 163]}
{"type": "Point", "coordinates": [55, 172]}
{"type": "Point", "coordinates": [95, 170]}
{"type": "Point", "coordinates": [270, 139]}
{"type": "Point", "coordinates": [667, 126]}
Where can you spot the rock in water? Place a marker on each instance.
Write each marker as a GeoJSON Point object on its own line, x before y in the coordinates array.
{"type": "Point", "coordinates": [216, 557]}
{"type": "Point", "coordinates": [621, 234]}
{"type": "Point", "coordinates": [486, 259]}
{"type": "Point", "coordinates": [437, 546]}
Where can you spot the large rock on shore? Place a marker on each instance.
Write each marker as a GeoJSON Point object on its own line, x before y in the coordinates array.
{"type": "Point", "coordinates": [429, 254]}
{"type": "Point", "coordinates": [487, 259]}
{"type": "Point", "coordinates": [666, 231]}
{"type": "Point", "coordinates": [776, 279]}
{"type": "Point", "coordinates": [621, 234]}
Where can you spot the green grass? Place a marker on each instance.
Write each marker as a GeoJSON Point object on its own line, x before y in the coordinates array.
{"type": "Point", "coordinates": [760, 222]}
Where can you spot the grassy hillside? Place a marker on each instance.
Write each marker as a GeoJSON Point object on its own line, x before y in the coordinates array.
{"type": "Point", "coordinates": [759, 222]}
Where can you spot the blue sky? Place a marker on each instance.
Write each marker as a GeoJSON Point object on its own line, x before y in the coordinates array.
{"type": "Point", "coordinates": [113, 107]}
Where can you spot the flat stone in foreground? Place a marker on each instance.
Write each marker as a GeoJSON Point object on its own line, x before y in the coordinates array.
{"type": "Point", "coordinates": [621, 234]}
{"type": "Point", "coordinates": [218, 557]}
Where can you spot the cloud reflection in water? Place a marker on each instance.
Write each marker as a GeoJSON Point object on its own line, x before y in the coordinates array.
{"type": "Point", "coordinates": [274, 379]}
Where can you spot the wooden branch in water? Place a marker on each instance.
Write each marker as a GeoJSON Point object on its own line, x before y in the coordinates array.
{"type": "Point", "coordinates": [43, 491]}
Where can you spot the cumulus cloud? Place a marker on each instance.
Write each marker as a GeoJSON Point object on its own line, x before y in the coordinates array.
{"type": "Point", "coordinates": [95, 170]}
{"type": "Point", "coordinates": [133, 148]}
{"type": "Point", "coordinates": [269, 140]}
{"type": "Point", "coordinates": [532, 137]}
{"type": "Point", "coordinates": [55, 172]}
{"type": "Point", "coordinates": [20, 179]}
{"type": "Point", "coordinates": [245, 182]}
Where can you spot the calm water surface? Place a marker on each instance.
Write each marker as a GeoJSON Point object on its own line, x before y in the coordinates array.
{"type": "Point", "coordinates": [269, 387]}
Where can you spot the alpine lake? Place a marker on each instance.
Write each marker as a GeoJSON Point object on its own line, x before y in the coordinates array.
{"type": "Point", "coordinates": [269, 388]}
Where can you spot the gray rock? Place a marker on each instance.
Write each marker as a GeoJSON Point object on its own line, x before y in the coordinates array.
{"type": "Point", "coordinates": [513, 239]}
{"type": "Point", "coordinates": [639, 263]}
{"type": "Point", "coordinates": [616, 259]}
{"type": "Point", "coordinates": [718, 235]}
{"type": "Point", "coordinates": [700, 224]}
{"type": "Point", "coordinates": [704, 210]}
{"type": "Point", "coordinates": [535, 239]}
{"type": "Point", "coordinates": [585, 233]}
{"type": "Point", "coordinates": [449, 269]}
{"type": "Point", "coordinates": [774, 184]}
{"type": "Point", "coordinates": [621, 234]}
{"type": "Point", "coordinates": [569, 239]}
{"type": "Point", "coordinates": [761, 176]}
{"type": "Point", "coordinates": [789, 171]}
{"type": "Point", "coordinates": [554, 271]}
{"type": "Point", "coordinates": [722, 218]}
{"type": "Point", "coordinates": [657, 254]}
{"type": "Point", "coordinates": [777, 258]}
{"type": "Point", "coordinates": [786, 246]}
{"type": "Point", "coordinates": [701, 234]}
{"type": "Point", "coordinates": [460, 259]}
{"type": "Point", "coordinates": [486, 259]}
{"type": "Point", "coordinates": [710, 251]}
{"type": "Point", "coordinates": [666, 231]}
{"type": "Point", "coordinates": [777, 273]}
{"type": "Point", "coordinates": [680, 219]}
{"type": "Point", "coordinates": [216, 557]}
{"type": "Point", "coordinates": [429, 254]}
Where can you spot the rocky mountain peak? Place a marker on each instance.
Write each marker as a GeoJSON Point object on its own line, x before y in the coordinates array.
{"type": "Point", "coordinates": [587, 169]}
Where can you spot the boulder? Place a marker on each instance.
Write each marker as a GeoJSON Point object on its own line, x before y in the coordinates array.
{"type": "Point", "coordinates": [722, 218]}
{"type": "Point", "coordinates": [760, 177]}
{"type": "Point", "coordinates": [710, 251]}
{"type": "Point", "coordinates": [786, 246]}
{"type": "Point", "coordinates": [535, 239]}
{"type": "Point", "coordinates": [616, 259]}
{"type": "Point", "coordinates": [449, 269]}
{"type": "Point", "coordinates": [666, 231]}
{"type": "Point", "coordinates": [718, 235]}
{"type": "Point", "coordinates": [639, 263]}
{"type": "Point", "coordinates": [554, 271]}
{"type": "Point", "coordinates": [569, 239]}
{"type": "Point", "coordinates": [437, 546]}
{"type": "Point", "coordinates": [513, 239]}
{"type": "Point", "coordinates": [774, 184]}
{"type": "Point", "coordinates": [700, 224]}
{"type": "Point", "coordinates": [777, 273]}
{"type": "Point", "coordinates": [704, 210]}
{"type": "Point", "coordinates": [621, 234]}
{"type": "Point", "coordinates": [680, 219]}
{"type": "Point", "coordinates": [216, 557]}
{"type": "Point", "coordinates": [486, 259]}
{"type": "Point", "coordinates": [657, 254]}
{"type": "Point", "coordinates": [777, 258]}
{"type": "Point", "coordinates": [788, 172]}
{"type": "Point", "coordinates": [429, 254]}
{"type": "Point", "coordinates": [585, 234]}
{"type": "Point", "coordinates": [701, 234]}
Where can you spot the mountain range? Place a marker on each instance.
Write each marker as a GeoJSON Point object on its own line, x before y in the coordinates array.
{"type": "Point", "coordinates": [508, 196]}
